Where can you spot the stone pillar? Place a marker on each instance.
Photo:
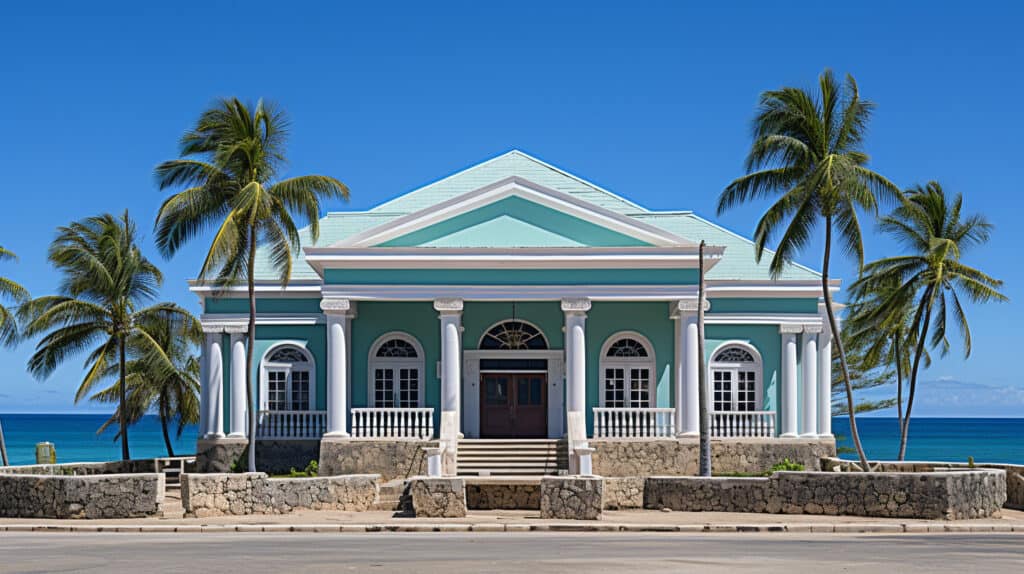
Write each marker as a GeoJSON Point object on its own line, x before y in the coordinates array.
{"type": "Point", "coordinates": [214, 386]}
{"type": "Point", "coordinates": [239, 413]}
{"type": "Point", "coordinates": [825, 383]}
{"type": "Point", "coordinates": [450, 314]}
{"type": "Point", "coordinates": [687, 369]}
{"type": "Point", "coordinates": [338, 319]}
{"type": "Point", "coordinates": [576, 354]}
{"type": "Point", "coordinates": [809, 426]}
{"type": "Point", "coordinates": [789, 390]}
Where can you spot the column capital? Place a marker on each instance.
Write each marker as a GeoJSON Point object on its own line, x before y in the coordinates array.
{"type": "Point", "coordinates": [446, 305]}
{"type": "Point", "coordinates": [215, 328]}
{"type": "Point", "coordinates": [684, 307]}
{"type": "Point", "coordinates": [337, 306]}
{"type": "Point", "coordinates": [579, 305]}
{"type": "Point", "coordinates": [813, 328]}
{"type": "Point", "coordinates": [790, 328]}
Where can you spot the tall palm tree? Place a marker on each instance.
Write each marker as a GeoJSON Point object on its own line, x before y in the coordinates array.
{"type": "Point", "coordinates": [164, 379]}
{"type": "Point", "coordinates": [9, 334]}
{"type": "Point", "coordinates": [106, 280]}
{"type": "Point", "coordinates": [807, 150]}
{"type": "Point", "coordinates": [932, 277]}
{"type": "Point", "coordinates": [229, 166]}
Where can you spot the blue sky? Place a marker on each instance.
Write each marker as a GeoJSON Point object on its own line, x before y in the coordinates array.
{"type": "Point", "coordinates": [649, 99]}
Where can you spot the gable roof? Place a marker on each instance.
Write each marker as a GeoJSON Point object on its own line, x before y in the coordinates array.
{"type": "Point", "coordinates": [343, 227]}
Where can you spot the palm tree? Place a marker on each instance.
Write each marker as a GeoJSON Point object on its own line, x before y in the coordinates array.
{"type": "Point", "coordinates": [164, 379]}
{"type": "Point", "coordinates": [9, 334]}
{"type": "Point", "coordinates": [105, 282]}
{"type": "Point", "coordinates": [807, 150]}
{"type": "Point", "coordinates": [229, 166]}
{"type": "Point", "coordinates": [931, 278]}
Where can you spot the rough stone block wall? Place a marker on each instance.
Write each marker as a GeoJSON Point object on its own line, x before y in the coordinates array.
{"type": "Point", "coordinates": [219, 455]}
{"type": "Point", "coordinates": [205, 495]}
{"type": "Point", "coordinates": [438, 497]}
{"type": "Point", "coordinates": [621, 493]}
{"type": "Point", "coordinates": [497, 495]}
{"type": "Point", "coordinates": [571, 497]}
{"type": "Point", "coordinates": [93, 496]}
{"type": "Point", "coordinates": [392, 459]}
{"type": "Point", "coordinates": [949, 495]}
{"type": "Point", "coordinates": [678, 457]}
{"type": "Point", "coordinates": [135, 466]}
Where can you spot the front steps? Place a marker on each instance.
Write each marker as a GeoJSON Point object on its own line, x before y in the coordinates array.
{"type": "Point", "coordinates": [512, 457]}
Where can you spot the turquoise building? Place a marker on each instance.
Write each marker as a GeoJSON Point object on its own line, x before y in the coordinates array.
{"type": "Point", "coordinates": [511, 294]}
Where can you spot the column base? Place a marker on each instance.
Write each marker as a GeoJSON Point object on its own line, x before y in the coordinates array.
{"type": "Point", "coordinates": [811, 435]}
{"type": "Point", "coordinates": [213, 435]}
{"type": "Point", "coordinates": [237, 435]}
{"type": "Point", "coordinates": [789, 435]}
{"type": "Point", "coordinates": [337, 434]}
{"type": "Point", "coordinates": [689, 434]}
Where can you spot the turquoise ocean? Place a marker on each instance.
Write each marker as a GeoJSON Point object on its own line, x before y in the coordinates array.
{"type": "Point", "coordinates": [942, 439]}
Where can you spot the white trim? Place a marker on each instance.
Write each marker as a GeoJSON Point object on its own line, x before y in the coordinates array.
{"type": "Point", "coordinates": [373, 362]}
{"type": "Point", "coordinates": [757, 366]}
{"type": "Point", "coordinates": [555, 381]}
{"type": "Point", "coordinates": [228, 320]}
{"type": "Point", "coordinates": [627, 363]}
{"type": "Point", "coordinates": [547, 342]}
{"type": "Point", "coordinates": [311, 359]}
{"type": "Point", "coordinates": [509, 187]}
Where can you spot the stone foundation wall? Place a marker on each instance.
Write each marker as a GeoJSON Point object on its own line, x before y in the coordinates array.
{"type": "Point", "coordinates": [272, 456]}
{"type": "Point", "coordinates": [221, 454]}
{"type": "Point", "coordinates": [571, 497]}
{"type": "Point", "coordinates": [679, 457]}
{"type": "Point", "coordinates": [950, 495]}
{"type": "Point", "coordinates": [498, 495]}
{"type": "Point", "coordinates": [205, 495]}
{"type": "Point", "coordinates": [438, 497]}
{"type": "Point", "coordinates": [621, 493]}
{"type": "Point", "coordinates": [85, 468]}
{"type": "Point", "coordinates": [1014, 473]}
{"type": "Point", "coordinates": [391, 459]}
{"type": "Point", "coordinates": [94, 496]}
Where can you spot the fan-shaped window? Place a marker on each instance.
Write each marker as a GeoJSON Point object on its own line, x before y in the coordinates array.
{"type": "Point", "coordinates": [735, 379]}
{"type": "Point", "coordinates": [513, 335]}
{"type": "Point", "coordinates": [396, 372]}
{"type": "Point", "coordinates": [627, 369]}
{"type": "Point", "coordinates": [287, 380]}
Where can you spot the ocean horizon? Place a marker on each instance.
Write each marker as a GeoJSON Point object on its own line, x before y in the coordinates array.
{"type": "Point", "coordinates": [948, 439]}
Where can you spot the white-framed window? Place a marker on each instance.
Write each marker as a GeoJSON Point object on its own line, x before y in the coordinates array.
{"type": "Point", "coordinates": [627, 371]}
{"type": "Point", "coordinates": [396, 372]}
{"type": "Point", "coordinates": [736, 383]}
{"type": "Point", "coordinates": [288, 379]}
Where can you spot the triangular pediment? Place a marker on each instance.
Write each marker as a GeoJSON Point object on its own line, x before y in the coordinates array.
{"type": "Point", "coordinates": [514, 212]}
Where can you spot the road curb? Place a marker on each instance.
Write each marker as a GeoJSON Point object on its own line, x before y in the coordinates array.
{"type": "Point", "coordinates": [777, 528]}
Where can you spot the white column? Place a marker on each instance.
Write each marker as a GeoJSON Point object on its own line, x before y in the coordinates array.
{"type": "Point", "coordinates": [337, 312]}
{"type": "Point", "coordinates": [789, 391]}
{"type": "Point", "coordinates": [809, 428]}
{"type": "Point", "coordinates": [239, 415]}
{"type": "Point", "coordinates": [204, 391]}
{"type": "Point", "coordinates": [576, 354]}
{"type": "Point", "coordinates": [215, 386]}
{"type": "Point", "coordinates": [687, 368]}
{"type": "Point", "coordinates": [825, 383]}
{"type": "Point", "coordinates": [450, 314]}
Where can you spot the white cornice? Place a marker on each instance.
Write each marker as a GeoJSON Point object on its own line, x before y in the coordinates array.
{"type": "Point", "coordinates": [224, 321]}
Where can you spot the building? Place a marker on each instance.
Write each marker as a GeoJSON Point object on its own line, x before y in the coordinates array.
{"type": "Point", "coordinates": [511, 294]}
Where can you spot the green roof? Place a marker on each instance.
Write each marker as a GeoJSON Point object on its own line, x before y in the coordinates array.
{"type": "Point", "coordinates": [737, 262]}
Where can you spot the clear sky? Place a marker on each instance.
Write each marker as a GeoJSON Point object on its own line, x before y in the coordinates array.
{"type": "Point", "coordinates": [649, 99]}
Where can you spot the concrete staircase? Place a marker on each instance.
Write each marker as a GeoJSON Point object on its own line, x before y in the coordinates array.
{"type": "Point", "coordinates": [512, 457]}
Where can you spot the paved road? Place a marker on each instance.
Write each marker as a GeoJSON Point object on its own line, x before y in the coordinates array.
{"type": "Point", "coordinates": [508, 552]}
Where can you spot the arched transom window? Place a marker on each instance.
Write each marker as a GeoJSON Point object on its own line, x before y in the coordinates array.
{"type": "Point", "coordinates": [735, 379]}
{"type": "Point", "coordinates": [627, 372]}
{"type": "Point", "coordinates": [513, 335]}
{"type": "Point", "coordinates": [396, 372]}
{"type": "Point", "coordinates": [288, 380]}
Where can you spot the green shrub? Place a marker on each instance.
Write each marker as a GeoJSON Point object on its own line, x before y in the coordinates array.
{"type": "Point", "coordinates": [313, 468]}
{"type": "Point", "coordinates": [786, 464]}
{"type": "Point", "coordinates": [970, 462]}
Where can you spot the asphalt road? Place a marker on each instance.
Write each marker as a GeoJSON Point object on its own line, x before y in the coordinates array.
{"type": "Point", "coordinates": [508, 552]}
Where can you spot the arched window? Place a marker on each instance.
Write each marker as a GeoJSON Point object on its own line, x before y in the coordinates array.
{"type": "Point", "coordinates": [396, 372]}
{"type": "Point", "coordinates": [627, 371]}
{"type": "Point", "coordinates": [735, 378]}
{"type": "Point", "coordinates": [513, 335]}
{"type": "Point", "coordinates": [288, 379]}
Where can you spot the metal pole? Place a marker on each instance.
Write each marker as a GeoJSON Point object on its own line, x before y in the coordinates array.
{"type": "Point", "coordinates": [3, 447]}
{"type": "Point", "coordinates": [702, 383]}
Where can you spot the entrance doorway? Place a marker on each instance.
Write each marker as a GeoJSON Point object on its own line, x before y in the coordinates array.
{"type": "Point", "coordinates": [513, 405]}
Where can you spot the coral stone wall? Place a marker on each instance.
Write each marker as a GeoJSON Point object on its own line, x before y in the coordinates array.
{"type": "Point", "coordinates": [391, 459]}
{"type": "Point", "coordinates": [502, 494]}
{"type": "Point", "coordinates": [272, 456]}
{"type": "Point", "coordinates": [571, 497]}
{"type": "Point", "coordinates": [85, 468]}
{"type": "Point", "coordinates": [253, 493]}
{"type": "Point", "coordinates": [949, 495]}
{"type": "Point", "coordinates": [438, 497]}
{"type": "Point", "coordinates": [652, 457]}
{"type": "Point", "coordinates": [93, 496]}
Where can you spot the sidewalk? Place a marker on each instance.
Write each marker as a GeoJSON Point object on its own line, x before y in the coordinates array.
{"type": "Point", "coordinates": [1012, 521]}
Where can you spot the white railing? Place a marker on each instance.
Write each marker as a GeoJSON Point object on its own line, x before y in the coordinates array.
{"type": "Point", "coordinates": [634, 423]}
{"type": "Point", "coordinates": [291, 424]}
{"type": "Point", "coordinates": [744, 424]}
{"type": "Point", "coordinates": [393, 423]}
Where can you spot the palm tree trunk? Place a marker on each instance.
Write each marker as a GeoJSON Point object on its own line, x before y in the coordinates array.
{"type": "Point", "coordinates": [164, 415]}
{"type": "Point", "coordinates": [123, 407]}
{"type": "Point", "coordinates": [899, 379]}
{"type": "Point", "coordinates": [3, 447]}
{"type": "Point", "coordinates": [249, 351]}
{"type": "Point", "coordinates": [838, 340]}
{"type": "Point", "coordinates": [912, 391]}
{"type": "Point", "coordinates": [702, 383]}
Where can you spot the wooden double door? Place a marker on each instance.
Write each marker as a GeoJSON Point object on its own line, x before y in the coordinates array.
{"type": "Point", "coordinates": [513, 405]}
